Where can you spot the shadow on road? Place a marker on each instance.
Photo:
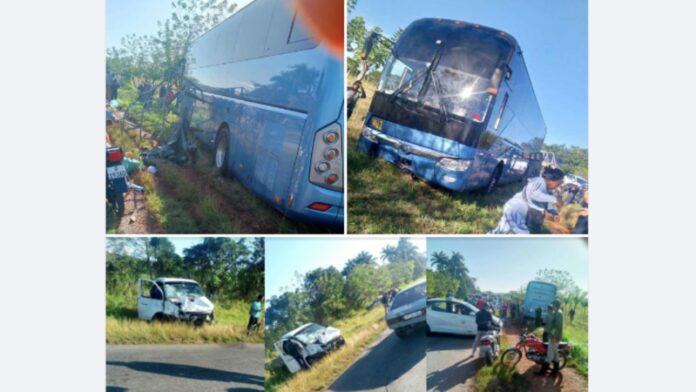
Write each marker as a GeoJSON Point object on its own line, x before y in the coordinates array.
{"type": "Point", "coordinates": [190, 372]}
{"type": "Point", "coordinates": [384, 363]}
{"type": "Point", "coordinates": [449, 364]}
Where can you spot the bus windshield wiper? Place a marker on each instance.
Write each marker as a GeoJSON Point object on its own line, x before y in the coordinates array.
{"type": "Point", "coordinates": [408, 84]}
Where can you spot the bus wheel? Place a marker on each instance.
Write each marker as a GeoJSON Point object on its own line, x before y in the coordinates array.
{"type": "Point", "coordinates": [494, 179]}
{"type": "Point", "coordinates": [222, 146]}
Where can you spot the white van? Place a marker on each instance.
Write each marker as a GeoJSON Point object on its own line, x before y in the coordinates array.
{"type": "Point", "coordinates": [174, 299]}
{"type": "Point", "coordinates": [317, 341]}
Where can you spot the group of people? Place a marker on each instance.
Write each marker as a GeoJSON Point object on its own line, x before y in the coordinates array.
{"type": "Point", "coordinates": [527, 210]}
{"type": "Point", "coordinates": [553, 333]}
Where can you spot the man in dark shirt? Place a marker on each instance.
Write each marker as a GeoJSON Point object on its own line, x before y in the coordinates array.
{"type": "Point", "coordinates": [295, 349]}
{"type": "Point", "coordinates": [484, 323]}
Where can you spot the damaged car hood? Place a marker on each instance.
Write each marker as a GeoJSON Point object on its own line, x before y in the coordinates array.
{"type": "Point", "coordinates": [192, 304]}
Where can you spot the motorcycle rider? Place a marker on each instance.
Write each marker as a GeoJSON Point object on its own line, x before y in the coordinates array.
{"type": "Point", "coordinates": [555, 332]}
{"type": "Point", "coordinates": [484, 323]}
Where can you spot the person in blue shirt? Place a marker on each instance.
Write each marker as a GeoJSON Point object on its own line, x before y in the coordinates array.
{"type": "Point", "coordinates": [255, 313]}
{"type": "Point", "coordinates": [524, 213]}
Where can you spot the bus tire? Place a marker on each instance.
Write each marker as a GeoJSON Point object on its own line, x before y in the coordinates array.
{"type": "Point", "coordinates": [222, 151]}
{"type": "Point", "coordinates": [494, 179]}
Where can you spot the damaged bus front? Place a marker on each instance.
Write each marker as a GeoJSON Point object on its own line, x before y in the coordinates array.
{"type": "Point", "coordinates": [455, 106]}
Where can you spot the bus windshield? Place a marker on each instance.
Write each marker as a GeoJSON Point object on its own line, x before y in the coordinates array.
{"type": "Point", "coordinates": [466, 74]}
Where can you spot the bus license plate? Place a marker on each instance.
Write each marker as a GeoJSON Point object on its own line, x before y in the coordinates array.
{"type": "Point", "coordinates": [116, 172]}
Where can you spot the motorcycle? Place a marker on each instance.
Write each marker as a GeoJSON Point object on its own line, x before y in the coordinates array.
{"type": "Point", "coordinates": [116, 179]}
{"type": "Point", "coordinates": [490, 345]}
{"type": "Point", "coordinates": [535, 350]}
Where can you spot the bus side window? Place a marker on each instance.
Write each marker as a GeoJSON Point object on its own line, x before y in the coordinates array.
{"type": "Point", "coordinates": [297, 31]}
{"type": "Point", "coordinates": [502, 111]}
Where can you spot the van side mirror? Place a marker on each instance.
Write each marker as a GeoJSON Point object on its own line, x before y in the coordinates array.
{"type": "Point", "coordinates": [370, 42]}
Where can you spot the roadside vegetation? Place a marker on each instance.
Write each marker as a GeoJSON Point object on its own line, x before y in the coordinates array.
{"type": "Point", "coordinates": [346, 299]}
{"type": "Point", "coordinates": [231, 273]}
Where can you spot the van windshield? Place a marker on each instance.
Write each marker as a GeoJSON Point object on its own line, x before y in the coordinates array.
{"type": "Point", "coordinates": [182, 289]}
{"type": "Point", "coordinates": [309, 333]}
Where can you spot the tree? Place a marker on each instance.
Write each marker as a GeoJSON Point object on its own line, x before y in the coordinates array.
{"type": "Point", "coordinates": [351, 4]}
{"type": "Point", "coordinates": [365, 283]}
{"type": "Point", "coordinates": [356, 33]}
{"type": "Point", "coordinates": [440, 284]}
{"type": "Point", "coordinates": [454, 266]}
{"type": "Point", "coordinates": [405, 251]}
{"type": "Point", "coordinates": [363, 258]}
{"type": "Point", "coordinates": [561, 279]}
{"type": "Point", "coordinates": [324, 287]}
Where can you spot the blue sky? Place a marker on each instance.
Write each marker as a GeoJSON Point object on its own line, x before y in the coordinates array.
{"type": "Point", "coordinates": [288, 257]}
{"type": "Point", "coordinates": [124, 17]}
{"type": "Point", "coordinates": [553, 37]}
{"type": "Point", "coordinates": [504, 264]}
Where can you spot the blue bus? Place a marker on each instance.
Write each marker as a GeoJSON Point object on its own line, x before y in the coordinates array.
{"type": "Point", "coordinates": [267, 99]}
{"type": "Point", "coordinates": [455, 106]}
{"type": "Point", "coordinates": [538, 295]}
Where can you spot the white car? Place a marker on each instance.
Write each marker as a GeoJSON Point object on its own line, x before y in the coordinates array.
{"type": "Point", "coordinates": [174, 299]}
{"type": "Point", "coordinates": [452, 316]}
{"type": "Point", "coordinates": [317, 341]}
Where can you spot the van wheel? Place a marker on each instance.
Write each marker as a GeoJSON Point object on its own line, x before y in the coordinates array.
{"type": "Point", "coordinates": [494, 179]}
{"type": "Point", "coordinates": [222, 146]}
{"type": "Point", "coordinates": [401, 332]}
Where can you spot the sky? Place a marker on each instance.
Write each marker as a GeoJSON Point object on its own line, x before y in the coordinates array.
{"type": "Point", "coordinates": [288, 257]}
{"type": "Point", "coordinates": [551, 33]}
{"type": "Point", "coordinates": [124, 17]}
{"type": "Point", "coordinates": [504, 264]}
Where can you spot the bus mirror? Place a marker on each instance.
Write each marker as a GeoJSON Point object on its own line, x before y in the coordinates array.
{"type": "Point", "coordinates": [369, 44]}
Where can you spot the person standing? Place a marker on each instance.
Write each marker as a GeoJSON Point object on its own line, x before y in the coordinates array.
{"type": "Point", "coordinates": [484, 323]}
{"type": "Point", "coordinates": [295, 349]}
{"type": "Point", "coordinates": [538, 321]}
{"type": "Point", "coordinates": [571, 314]}
{"type": "Point", "coordinates": [555, 331]}
{"type": "Point", "coordinates": [114, 85]}
{"type": "Point", "coordinates": [524, 213]}
{"type": "Point", "coordinates": [255, 313]}
{"type": "Point", "coordinates": [353, 95]}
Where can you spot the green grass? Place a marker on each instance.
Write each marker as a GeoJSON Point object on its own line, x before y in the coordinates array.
{"type": "Point", "coordinates": [359, 331]}
{"type": "Point", "coordinates": [124, 327]}
{"type": "Point", "coordinates": [500, 379]}
{"type": "Point", "coordinates": [383, 200]}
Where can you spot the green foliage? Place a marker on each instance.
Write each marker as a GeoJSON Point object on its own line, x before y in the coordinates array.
{"type": "Point", "coordinates": [363, 258]}
{"type": "Point", "coordinates": [404, 252]}
{"type": "Point", "coordinates": [356, 33]}
{"type": "Point", "coordinates": [226, 269]}
{"type": "Point", "coordinates": [500, 379]}
{"type": "Point", "coordinates": [440, 284]}
{"type": "Point", "coordinates": [572, 159]}
{"type": "Point", "coordinates": [363, 284]}
{"type": "Point", "coordinates": [453, 266]}
{"type": "Point", "coordinates": [562, 279]}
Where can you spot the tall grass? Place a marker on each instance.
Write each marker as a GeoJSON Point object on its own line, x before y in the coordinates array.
{"type": "Point", "coordinates": [123, 326]}
{"type": "Point", "coordinates": [500, 379]}
{"type": "Point", "coordinates": [359, 331]}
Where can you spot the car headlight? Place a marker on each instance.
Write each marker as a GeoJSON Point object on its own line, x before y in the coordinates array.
{"type": "Point", "coordinates": [454, 164]}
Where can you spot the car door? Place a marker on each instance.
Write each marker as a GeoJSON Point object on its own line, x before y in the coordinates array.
{"type": "Point", "coordinates": [290, 362]}
{"type": "Point", "coordinates": [467, 315]}
{"type": "Point", "coordinates": [436, 316]}
{"type": "Point", "coordinates": [150, 299]}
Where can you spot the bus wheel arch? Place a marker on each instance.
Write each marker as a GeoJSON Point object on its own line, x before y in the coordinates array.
{"type": "Point", "coordinates": [495, 177]}
{"type": "Point", "coordinates": [222, 149]}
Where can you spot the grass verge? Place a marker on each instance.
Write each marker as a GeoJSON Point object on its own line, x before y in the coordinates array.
{"type": "Point", "coordinates": [500, 379]}
{"type": "Point", "coordinates": [359, 331]}
{"type": "Point", "coordinates": [123, 326]}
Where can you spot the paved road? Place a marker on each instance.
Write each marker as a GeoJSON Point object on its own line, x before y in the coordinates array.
{"type": "Point", "coordinates": [189, 367]}
{"type": "Point", "coordinates": [389, 364]}
{"type": "Point", "coordinates": [449, 365]}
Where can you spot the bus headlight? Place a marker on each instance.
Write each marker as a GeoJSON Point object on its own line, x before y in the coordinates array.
{"type": "Point", "coordinates": [454, 164]}
{"type": "Point", "coordinates": [369, 134]}
{"type": "Point", "coordinates": [327, 159]}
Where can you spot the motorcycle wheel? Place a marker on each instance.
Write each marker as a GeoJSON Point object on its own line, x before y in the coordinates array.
{"type": "Point", "coordinates": [489, 358]}
{"type": "Point", "coordinates": [118, 203]}
{"type": "Point", "coordinates": [511, 357]}
{"type": "Point", "coordinates": [563, 359]}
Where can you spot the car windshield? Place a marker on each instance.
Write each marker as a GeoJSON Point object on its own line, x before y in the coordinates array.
{"type": "Point", "coordinates": [182, 289]}
{"type": "Point", "coordinates": [466, 76]}
{"type": "Point", "coordinates": [408, 296]}
{"type": "Point", "coordinates": [309, 333]}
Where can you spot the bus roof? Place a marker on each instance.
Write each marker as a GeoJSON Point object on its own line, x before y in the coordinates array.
{"type": "Point", "coordinates": [451, 24]}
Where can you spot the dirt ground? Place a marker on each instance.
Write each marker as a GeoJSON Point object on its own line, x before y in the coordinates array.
{"type": "Point", "coordinates": [568, 379]}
